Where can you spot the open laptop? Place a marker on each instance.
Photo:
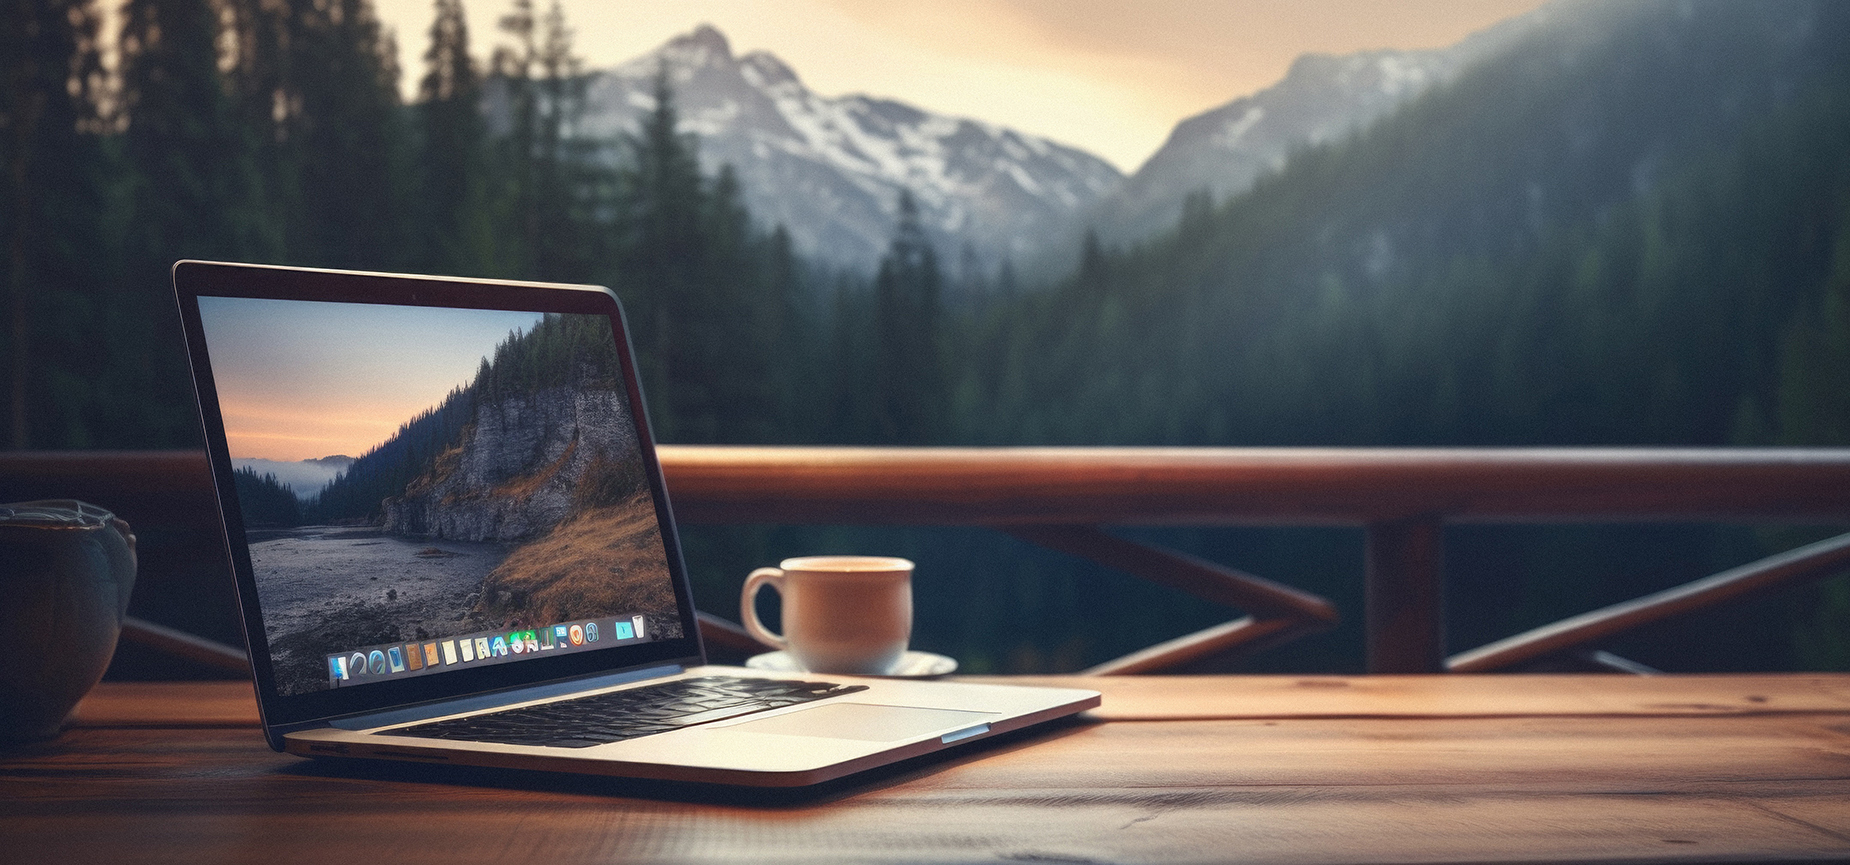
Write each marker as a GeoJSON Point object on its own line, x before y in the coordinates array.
{"type": "Point", "coordinates": [452, 545]}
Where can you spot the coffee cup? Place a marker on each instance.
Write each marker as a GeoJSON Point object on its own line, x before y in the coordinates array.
{"type": "Point", "coordinates": [841, 614]}
{"type": "Point", "coordinates": [66, 570]}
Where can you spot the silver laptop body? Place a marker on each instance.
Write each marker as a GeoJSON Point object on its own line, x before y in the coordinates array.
{"type": "Point", "coordinates": [444, 514]}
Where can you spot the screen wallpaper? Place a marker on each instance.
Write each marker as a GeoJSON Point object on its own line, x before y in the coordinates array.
{"type": "Point", "coordinates": [432, 489]}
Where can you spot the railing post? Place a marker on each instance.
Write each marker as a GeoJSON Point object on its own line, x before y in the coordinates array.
{"type": "Point", "coordinates": [1406, 596]}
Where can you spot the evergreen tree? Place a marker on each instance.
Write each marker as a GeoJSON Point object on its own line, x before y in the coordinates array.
{"type": "Point", "coordinates": [264, 502]}
{"type": "Point", "coordinates": [261, 96]}
{"type": "Point", "coordinates": [744, 283]}
{"type": "Point", "coordinates": [53, 185]}
{"type": "Point", "coordinates": [852, 346]}
{"type": "Point", "coordinates": [319, 79]}
{"type": "Point", "coordinates": [909, 366]}
{"type": "Point", "coordinates": [553, 188]}
{"type": "Point", "coordinates": [194, 184]}
{"type": "Point", "coordinates": [568, 180]}
{"type": "Point", "coordinates": [352, 143]}
{"type": "Point", "coordinates": [791, 397]}
{"type": "Point", "coordinates": [518, 199]}
{"type": "Point", "coordinates": [711, 299]}
{"type": "Point", "coordinates": [193, 191]}
{"type": "Point", "coordinates": [660, 241]}
{"type": "Point", "coordinates": [456, 230]}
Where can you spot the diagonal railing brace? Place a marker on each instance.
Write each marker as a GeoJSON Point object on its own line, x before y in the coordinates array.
{"type": "Point", "coordinates": [1278, 613]}
{"type": "Point", "coordinates": [1773, 572]}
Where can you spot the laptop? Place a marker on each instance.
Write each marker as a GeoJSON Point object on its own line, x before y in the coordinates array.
{"type": "Point", "coordinates": [452, 544]}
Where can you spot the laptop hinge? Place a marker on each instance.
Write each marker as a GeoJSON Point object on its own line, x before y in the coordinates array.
{"type": "Point", "coordinates": [407, 714]}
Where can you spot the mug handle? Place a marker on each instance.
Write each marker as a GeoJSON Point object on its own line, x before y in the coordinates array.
{"type": "Point", "coordinates": [748, 606]}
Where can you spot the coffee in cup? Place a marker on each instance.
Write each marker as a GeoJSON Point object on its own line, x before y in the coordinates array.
{"type": "Point", "coordinates": [841, 614]}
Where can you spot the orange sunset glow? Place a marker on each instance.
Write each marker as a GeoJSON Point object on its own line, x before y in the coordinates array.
{"type": "Point", "coordinates": [302, 380]}
{"type": "Point", "coordinates": [281, 431]}
{"type": "Point", "coordinates": [1104, 75]}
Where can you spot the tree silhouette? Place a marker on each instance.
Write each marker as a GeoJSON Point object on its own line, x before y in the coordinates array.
{"type": "Point", "coordinates": [456, 229]}
{"type": "Point", "coordinates": [192, 190]}
{"type": "Point", "coordinates": [53, 175]}
{"type": "Point", "coordinates": [909, 365]}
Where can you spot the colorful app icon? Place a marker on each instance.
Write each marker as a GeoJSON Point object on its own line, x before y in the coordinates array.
{"type": "Point", "coordinates": [561, 634]}
{"type": "Point", "coordinates": [623, 630]}
{"type": "Point", "coordinates": [356, 664]}
{"type": "Point", "coordinates": [468, 650]}
{"type": "Point", "coordinates": [590, 632]}
{"type": "Point", "coordinates": [578, 635]}
{"type": "Point", "coordinates": [430, 654]}
{"type": "Point", "coordinates": [449, 651]}
{"type": "Point", "coordinates": [398, 659]}
{"type": "Point", "coordinates": [481, 647]}
{"type": "Point", "coordinates": [515, 643]}
{"type": "Point", "coordinates": [499, 647]}
{"type": "Point", "coordinates": [637, 621]}
{"type": "Point", "coordinates": [414, 657]}
{"type": "Point", "coordinates": [545, 639]}
{"type": "Point", "coordinates": [337, 668]}
{"type": "Point", "coordinates": [532, 640]}
{"type": "Point", "coordinates": [375, 663]}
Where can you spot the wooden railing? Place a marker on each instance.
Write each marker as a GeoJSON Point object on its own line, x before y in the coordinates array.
{"type": "Point", "coordinates": [1061, 497]}
{"type": "Point", "coordinates": [1403, 498]}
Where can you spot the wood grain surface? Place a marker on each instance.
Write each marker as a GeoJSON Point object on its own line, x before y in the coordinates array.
{"type": "Point", "coordinates": [1199, 769]}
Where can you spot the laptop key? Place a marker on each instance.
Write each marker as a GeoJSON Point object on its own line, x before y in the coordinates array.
{"type": "Point", "coordinates": [719, 714]}
{"type": "Point", "coordinates": [618, 715]}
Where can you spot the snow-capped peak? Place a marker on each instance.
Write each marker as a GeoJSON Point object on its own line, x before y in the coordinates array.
{"type": "Point", "coordinates": [830, 169]}
{"type": "Point", "coordinates": [764, 71]}
{"type": "Point", "coordinates": [705, 46]}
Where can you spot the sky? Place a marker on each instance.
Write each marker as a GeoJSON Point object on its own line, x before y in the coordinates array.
{"type": "Point", "coordinates": [300, 380]}
{"type": "Point", "coordinates": [1110, 76]}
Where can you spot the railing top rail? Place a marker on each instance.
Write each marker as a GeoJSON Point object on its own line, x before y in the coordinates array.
{"type": "Point", "coordinates": [1201, 486]}
{"type": "Point", "coordinates": [1286, 486]}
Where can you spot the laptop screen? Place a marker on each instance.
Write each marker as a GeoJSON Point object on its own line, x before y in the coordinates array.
{"type": "Point", "coordinates": [426, 490]}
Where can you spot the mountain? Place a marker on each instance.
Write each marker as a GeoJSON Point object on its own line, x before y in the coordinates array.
{"type": "Point", "coordinates": [303, 477]}
{"type": "Point", "coordinates": [830, 169]}
{"type": "Point", "coordinates": [1321, 99]}
{"type": "Point", "coordinates": [1604, 233]}
{"type": "Point", "coordinates": [520, 467]}
{"type": "Point", "coordinates": [1223, 150]}
{"type": "Point", "coordinates": [540, 433]}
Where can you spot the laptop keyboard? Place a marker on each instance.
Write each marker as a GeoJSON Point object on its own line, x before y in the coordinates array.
{"type": "Point", "coordinates": [617, 715]}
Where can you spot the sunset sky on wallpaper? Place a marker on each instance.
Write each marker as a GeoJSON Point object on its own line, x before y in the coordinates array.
{"type": "Point", "coordinates": [305, 380]}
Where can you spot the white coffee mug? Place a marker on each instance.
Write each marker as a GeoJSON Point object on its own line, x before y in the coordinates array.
{"type": "Point", "coordinates": [842, 614]}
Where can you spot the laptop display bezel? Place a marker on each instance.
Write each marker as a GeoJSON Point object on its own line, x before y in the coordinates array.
{"type": "Point", "coordinates": [196, 279]}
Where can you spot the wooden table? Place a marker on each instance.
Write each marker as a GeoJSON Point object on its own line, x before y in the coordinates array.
{"type": "Point", "coordinates": [1211, 769]}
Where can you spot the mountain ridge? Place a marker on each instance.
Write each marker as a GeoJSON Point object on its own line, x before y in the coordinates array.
{"type": "Point", "coordinates": [1568, 245]}
{"type": "Point", "coordinates": [1322, 98]}
{"type": "Point", "coordinates": [830, 169]}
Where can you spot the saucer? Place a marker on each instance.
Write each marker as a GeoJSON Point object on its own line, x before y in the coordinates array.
{"type": "Point", "coordinates": [912, 665]}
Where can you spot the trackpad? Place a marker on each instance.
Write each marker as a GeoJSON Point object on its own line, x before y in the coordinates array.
{"type": "Point", "coordinates": [866, 722]}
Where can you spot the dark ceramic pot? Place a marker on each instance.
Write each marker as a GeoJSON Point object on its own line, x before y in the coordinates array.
{"type": "Point", "coordinates": [66, 569]}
